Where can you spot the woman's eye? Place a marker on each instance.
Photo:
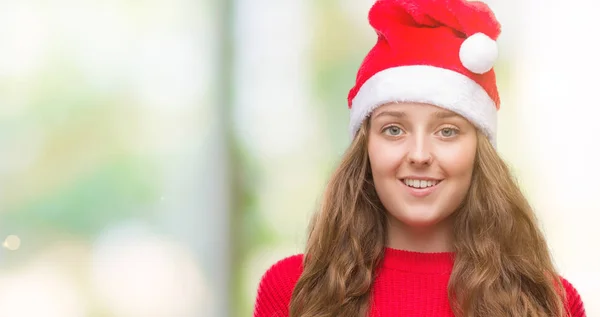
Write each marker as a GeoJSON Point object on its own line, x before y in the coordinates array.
{"type": "Point", "coordinates": [393, 131]}
{"type": "Point", "coordinates": [448, 132]}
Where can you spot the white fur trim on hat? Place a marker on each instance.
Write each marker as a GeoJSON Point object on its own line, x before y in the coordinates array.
{"type": "Point", "coordinates": [426, 84]}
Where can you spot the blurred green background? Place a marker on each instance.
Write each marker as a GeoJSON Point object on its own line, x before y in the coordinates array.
{"type": "Point", "coordinates": [158, 156]}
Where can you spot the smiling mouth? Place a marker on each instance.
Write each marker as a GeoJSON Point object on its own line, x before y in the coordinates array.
{"type": "Point", "coordinates": [420, 184]}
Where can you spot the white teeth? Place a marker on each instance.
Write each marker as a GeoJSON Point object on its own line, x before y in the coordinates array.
{"type": "Point", "coordinates": [419, 183]}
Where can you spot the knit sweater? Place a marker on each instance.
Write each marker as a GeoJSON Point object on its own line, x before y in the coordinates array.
{"type": "Point", "coordinates": [407, 284]}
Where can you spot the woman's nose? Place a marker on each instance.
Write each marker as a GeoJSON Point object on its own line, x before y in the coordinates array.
{"type": "Point", "coordinates": [419, 152]}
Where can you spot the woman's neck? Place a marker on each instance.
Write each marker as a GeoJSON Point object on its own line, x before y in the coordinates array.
{"type": "Point", "coordinates": [435, 238]}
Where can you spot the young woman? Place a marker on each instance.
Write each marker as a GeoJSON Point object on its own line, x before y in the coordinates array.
{"type": "Point", "coordinates": [422, 216]}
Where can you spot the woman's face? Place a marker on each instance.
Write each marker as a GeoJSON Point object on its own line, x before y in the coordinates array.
{"type": "Point", "coordinates": [422, 159]}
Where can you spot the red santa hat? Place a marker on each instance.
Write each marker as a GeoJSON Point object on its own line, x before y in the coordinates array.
{"type": "Point", "coordinates": [438, 52]}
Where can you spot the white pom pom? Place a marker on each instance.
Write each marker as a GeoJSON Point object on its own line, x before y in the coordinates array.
{"type": "Point", "coordinates": [478, 53]}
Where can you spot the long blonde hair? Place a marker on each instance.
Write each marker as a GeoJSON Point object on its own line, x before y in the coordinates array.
{"type": "Point", "coordinates": [502, 263]}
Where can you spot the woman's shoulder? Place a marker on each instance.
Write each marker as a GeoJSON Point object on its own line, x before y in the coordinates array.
{"type": "Point", "coordinates": [276, 286]}
{"type": "Point", "coordinates": [573, 303]}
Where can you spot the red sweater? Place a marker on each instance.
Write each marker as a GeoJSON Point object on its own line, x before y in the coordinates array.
{"type": "Point", "coordinates": [408, 284]}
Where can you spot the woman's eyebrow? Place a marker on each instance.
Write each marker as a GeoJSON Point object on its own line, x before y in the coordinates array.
{"type": "Point", "coordinates": [391, 113]}
{"type": "Point", "coordinates": [445, 114]}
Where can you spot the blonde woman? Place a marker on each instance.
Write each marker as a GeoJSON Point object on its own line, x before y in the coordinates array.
{"type": "Point", "coordinates": [422, 217]}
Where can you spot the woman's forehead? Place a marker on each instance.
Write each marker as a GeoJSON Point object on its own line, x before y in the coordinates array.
{"type": "Point", "coordinates": [402, 109]}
